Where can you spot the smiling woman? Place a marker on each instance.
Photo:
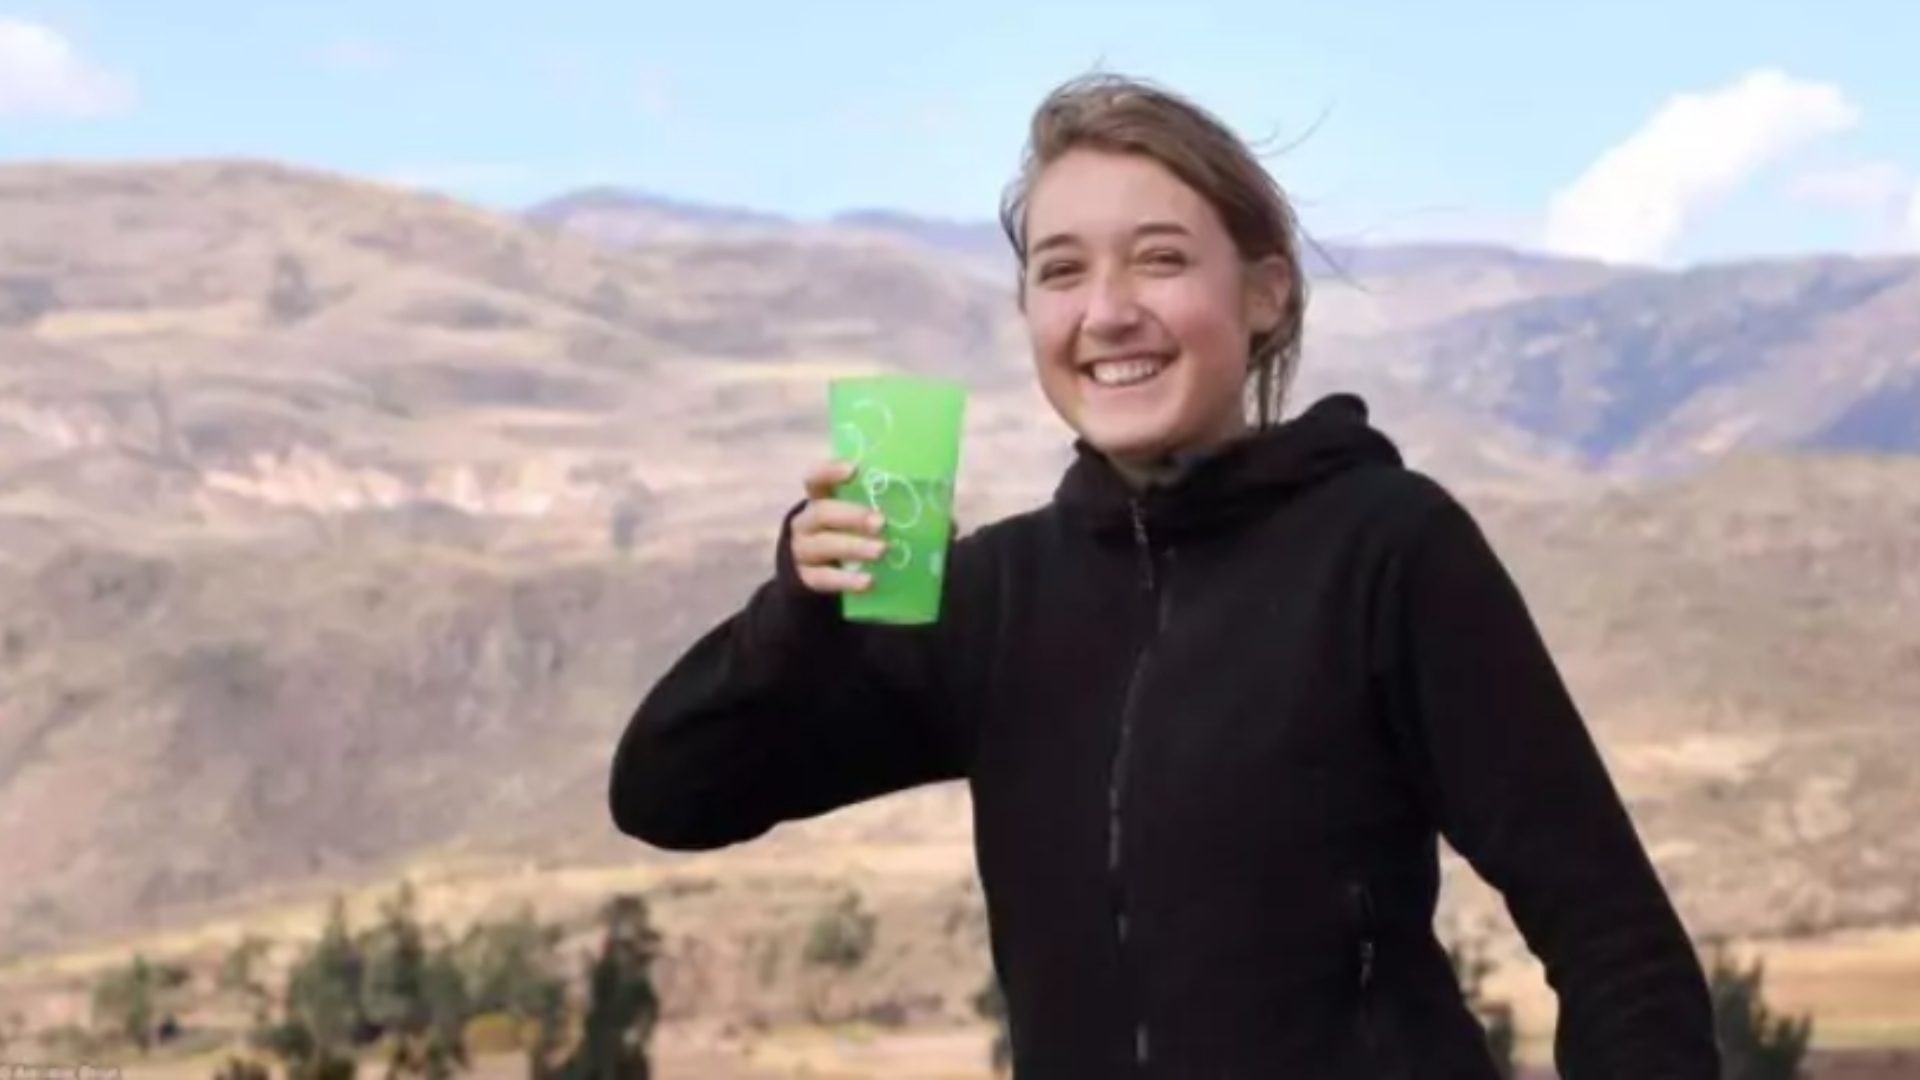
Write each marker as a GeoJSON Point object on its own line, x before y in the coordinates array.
{"type": "Point", "coordinates": [1141, 293]}
{"type": "Point", "coordinates": [1217, 703]}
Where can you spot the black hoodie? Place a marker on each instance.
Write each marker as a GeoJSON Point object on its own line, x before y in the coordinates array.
{"type": "Point", "coordinates": [1213, 732]}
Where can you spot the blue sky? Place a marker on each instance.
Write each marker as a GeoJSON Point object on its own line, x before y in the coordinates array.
{"type": "Point", "coordinates": [1480, 119]}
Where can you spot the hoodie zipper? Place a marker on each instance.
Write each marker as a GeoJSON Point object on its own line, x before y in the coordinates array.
{"type": "Point", "coordinates": [1155, 589]}
{"type": "Point", "coordinates": [1367, 951]}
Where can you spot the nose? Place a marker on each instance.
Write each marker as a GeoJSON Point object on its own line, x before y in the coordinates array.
{"type": "Point", "coordinates": [1113, 311]}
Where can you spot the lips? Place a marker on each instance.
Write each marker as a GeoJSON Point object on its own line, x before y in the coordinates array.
{"type": "Point", "coordinates": [1119, 372]}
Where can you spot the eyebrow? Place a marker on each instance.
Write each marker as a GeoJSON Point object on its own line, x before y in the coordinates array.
{"type": "Point", "coordinates": [1150, 228]}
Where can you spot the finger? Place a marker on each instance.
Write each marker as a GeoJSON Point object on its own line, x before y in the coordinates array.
{"type": "Point", "coordinates": [833, 515]}
{"type": "Point", "coordinates": [823, 479]}
{"type": "Point", "coordinates": [826, 548]}
{"type": "Point", "coordinates": [830, 515]}
{"type": "Point", "coordinates": [835, 579]}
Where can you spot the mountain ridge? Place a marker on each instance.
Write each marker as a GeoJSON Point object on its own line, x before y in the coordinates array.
{"type": "Point", "coordinates": [320, 499]}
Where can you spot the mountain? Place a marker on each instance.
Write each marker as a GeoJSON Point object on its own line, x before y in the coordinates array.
{"type": "Point", "coordinates": [212, 343]}
{"type": "Point", "coordinates": [245, 346]}
{"type": "Point", "coordinates": [1666, 371]}
{"type": "Point", "coordinates": [1371, 286]}
{"type": "Point", "coordinates": [341, 525]}
{"type": "Point", "coordinates": [622, 217]}
{"type": "Point", "coordinates": [1743, 642]}
{"type": "Point", "coordinates": [1607, 366]}
{"type": "Point", "coordinates": [1366, 291]}
{"type": "Point", "coordinates": [975, 240]}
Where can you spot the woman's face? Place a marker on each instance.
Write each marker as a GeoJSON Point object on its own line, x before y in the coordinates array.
{"type": "Point", "coordinates": [1139, 308]}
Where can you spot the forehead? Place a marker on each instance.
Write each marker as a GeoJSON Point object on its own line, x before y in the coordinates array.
{"type": "Point", "coordinates": [1090, 195]}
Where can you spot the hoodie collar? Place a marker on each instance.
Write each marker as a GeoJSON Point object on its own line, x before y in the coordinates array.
{"type": "Point", "coordinates": [1243, 478]}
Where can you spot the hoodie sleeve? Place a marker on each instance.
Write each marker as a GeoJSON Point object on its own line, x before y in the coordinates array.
{"type": "Point", "coordinates": [785, 711]}
{"type": "Point", "coordinates": [1521, 791]}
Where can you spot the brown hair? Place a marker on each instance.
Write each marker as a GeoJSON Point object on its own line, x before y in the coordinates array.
{"type": "Point", "coordinates": [1118, 114]}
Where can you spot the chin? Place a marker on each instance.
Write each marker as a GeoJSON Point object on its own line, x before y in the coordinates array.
{"type": "Point", "coordinates": [1141, 423]}
{"type": "Point", "coordinates": [1129, 438]}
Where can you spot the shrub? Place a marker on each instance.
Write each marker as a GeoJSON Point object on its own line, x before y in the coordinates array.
{"type": "Point", "coordinates": [1755, 1043]}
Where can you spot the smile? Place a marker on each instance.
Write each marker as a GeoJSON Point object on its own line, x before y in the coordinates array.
{"type": "Point", "coordinates": [1127, 371]}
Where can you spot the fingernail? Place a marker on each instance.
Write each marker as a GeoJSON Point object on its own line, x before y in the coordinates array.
{"type": "Point", "coordinates": [875, 522]}
{"type": "Point", "coordinates": [876, 549]}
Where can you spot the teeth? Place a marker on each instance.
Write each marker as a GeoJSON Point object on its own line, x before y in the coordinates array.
{"type": "Point", "coordinates": [1126, 372]}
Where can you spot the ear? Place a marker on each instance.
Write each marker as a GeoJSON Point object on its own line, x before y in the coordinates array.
{"type": "Point", "coordinates": [1268, 281]}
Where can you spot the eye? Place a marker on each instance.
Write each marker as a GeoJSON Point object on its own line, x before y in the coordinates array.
{"type": "Point", "coordinates": [1055, 269]}
{"type": "Point", "coordinates": [1165, 259]}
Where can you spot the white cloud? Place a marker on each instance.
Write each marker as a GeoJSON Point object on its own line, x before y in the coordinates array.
{"type": "Point", "coordinates": [42, 74]}
{"type": "Point", "coordinates": [1636, 199]}
{"type": "Point", "coordinates": [1875, 186]}
{"type": "Point", "coordinates": [1886, 195]}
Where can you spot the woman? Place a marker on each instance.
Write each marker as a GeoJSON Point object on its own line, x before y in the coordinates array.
{"type": "Point", "coordinates": [1216, 703]}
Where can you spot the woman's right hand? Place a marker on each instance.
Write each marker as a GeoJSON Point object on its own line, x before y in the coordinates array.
{"type": "Point", "coordinates": [829, 534]}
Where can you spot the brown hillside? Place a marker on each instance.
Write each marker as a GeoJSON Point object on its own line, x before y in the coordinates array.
{"type": "Point", "coordinates": [313, 499]}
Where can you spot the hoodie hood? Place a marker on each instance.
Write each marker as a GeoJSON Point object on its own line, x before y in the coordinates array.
{"type": "Point", "coordinates": [1243, 478]}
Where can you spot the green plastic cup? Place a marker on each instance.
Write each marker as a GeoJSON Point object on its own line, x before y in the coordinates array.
{"type": "Point", "coordinates": [902, 432]}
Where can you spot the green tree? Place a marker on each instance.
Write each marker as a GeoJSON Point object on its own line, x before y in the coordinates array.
{"type": "Point", "coordinates": [1471, 967]}
{"type": "Point", "coordinates": [549, 1032]}
{"type": "Point", "coordinates": [449, 1007]}
{"type": "Point", "coordinates": [324, 1017]}
{"type": "Point", "coordinates": [394, 964]}
{"type": "Point", "coordinates": [842, 936]}
{"type": "Point", "coordinates": [239, 976]}
{"type": "Point", "coordinates": [1755, 1042]}
{"type": "Point", "coordinates": [132, 1001]}
{"type": "Point", "coordinates": [990, 1004]}
{"type": "Point", "coordinates": [513, 967]}
{"type": "Point", "coordinates": [513, 964]}
{"type": "Point", "coordinates": [839, 941]}
{"type": "Point", "coordinates": [622, 1005]}
{"type": "Point", "coordinates": [392, 984]}
{"type": "Point", "coordinates": [413, 995]}
{"type": "Point", "coordinates": [242, 1068]}
{"type": "Point", "coordinates": [306, 1056]}
{"type": "Point", "coordinates": [325, 991]}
